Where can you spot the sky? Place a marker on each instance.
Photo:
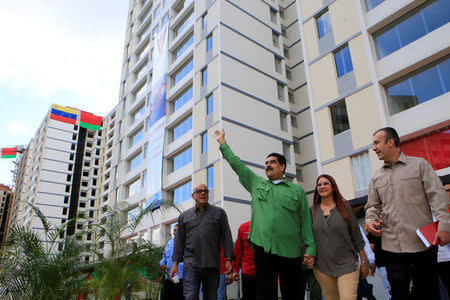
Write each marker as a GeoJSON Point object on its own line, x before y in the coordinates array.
{"type": "Point", "coordinates": [66, 52]}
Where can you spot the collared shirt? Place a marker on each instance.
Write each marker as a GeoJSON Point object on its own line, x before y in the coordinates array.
{"type": "Point", "coordinates": [245, 257]}
{"type": "Point", "coordinates": [201, 234]}
{"type": "Point", "coordinates": [167, 259]}
{"type": "Point", "coordinates": [338, 242]}
{"type": "Point", "coordinates": [404, 192]}
{"type": "Point", "coordinates": [280, 212]}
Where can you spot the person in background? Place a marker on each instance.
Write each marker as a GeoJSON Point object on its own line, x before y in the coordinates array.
{"type": "Point", "coordinates": [308, 282]}
{"type": "Point", "coordinates": [444, 259]}
{"type": "Point", "coordinates": [338, 241]}
{"type": "Point", "coordinates": [404, 193]}
{"type": "Point", "coordinates": [171, 290]}
{"type": "Point", "coordinates": [244, 261]}
{"type": "Point", "coordinates": [365, 289]}
{"type": "Point", "coordinates": [380, 270]}
{"type": "Point", "coordinates": [222, 290]}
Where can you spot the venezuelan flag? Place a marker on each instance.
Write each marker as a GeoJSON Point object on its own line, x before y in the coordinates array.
{"type": "Point", "coordinates": [64, 114]}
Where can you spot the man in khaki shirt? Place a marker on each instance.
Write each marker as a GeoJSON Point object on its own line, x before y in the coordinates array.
{"type": "Point", "coordinates": [402, 196]}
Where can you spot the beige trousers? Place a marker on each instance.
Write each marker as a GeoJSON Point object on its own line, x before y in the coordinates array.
{"type": "Point", "coordinates": [344, 287]}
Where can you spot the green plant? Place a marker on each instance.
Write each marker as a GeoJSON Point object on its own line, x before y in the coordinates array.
{"type": "Point", "coordinates": [37, 267]}
{"type": "Point", "coordinates": [126, 263]}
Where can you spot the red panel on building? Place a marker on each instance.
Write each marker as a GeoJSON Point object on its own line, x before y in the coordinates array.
{"type": "Point", "coordinates": [435, 148]}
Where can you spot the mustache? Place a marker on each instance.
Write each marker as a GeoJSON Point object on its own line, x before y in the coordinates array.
{"type": "Point", "coordinates": [269, 169]}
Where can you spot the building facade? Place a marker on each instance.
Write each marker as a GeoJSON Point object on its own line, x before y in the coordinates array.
{"type": "Point", "coordinates": [371, 64]}
{"type": "Point", "coordinates": [310, 79]}
{"type": "Point", "coordinates": [59, 173]}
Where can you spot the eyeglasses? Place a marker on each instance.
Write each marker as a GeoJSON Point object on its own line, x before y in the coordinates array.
{"type": "Point", "coordinates": [201, 191]}
{"type": "Point", "coordinates": [323, 183]}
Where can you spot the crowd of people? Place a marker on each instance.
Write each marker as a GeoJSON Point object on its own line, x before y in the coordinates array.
{"type": "Point", "coordinates": [289, 246]}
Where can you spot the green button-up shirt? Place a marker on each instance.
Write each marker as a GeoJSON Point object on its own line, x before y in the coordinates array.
{"type": "Point", "coordinates": [280, 213]}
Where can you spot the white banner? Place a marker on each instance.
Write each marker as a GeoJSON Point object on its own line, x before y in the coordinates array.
{"type": "Point", "coordinates": [157, 120]}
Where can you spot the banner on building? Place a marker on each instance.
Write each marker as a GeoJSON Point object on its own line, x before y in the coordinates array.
{"type": "Point", "coordinates": [157, 120]}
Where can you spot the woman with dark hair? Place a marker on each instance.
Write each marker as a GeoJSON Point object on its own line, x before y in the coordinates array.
{"type": "Point", "coordinates": [338, 242]}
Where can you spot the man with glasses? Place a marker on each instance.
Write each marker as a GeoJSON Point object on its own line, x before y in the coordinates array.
{"type": "Point", "coordinates": [403, 193]}
{"type": "Point", "coordinates": [202, 231]}
{"type": "Point", "coordinates": [280, 221]}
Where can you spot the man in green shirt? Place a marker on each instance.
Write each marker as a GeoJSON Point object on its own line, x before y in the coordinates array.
{"type": "Point", "coordinates": [280, 220]}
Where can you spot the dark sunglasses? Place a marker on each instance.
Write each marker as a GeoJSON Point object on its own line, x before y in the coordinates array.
{"type": "Point", "coordinates": [201, 191]}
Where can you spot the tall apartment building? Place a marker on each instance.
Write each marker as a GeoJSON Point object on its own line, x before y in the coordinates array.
{"type": "Point", "coordinates": [236, 65]}
{"type": "Point", "coordinates": [371, 64]}
{"type": "Point", "coordinates": [5, 202]}
{"type": "Point", "coordinates": [59, 173]}
{"type": "Point", "coordinates": [310, 79]}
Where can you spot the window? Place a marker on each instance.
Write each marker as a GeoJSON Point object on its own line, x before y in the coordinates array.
{"type": "Point", "coordinates": [185, 45]}
{"type": "Point", "coordinates": [157, 11]}
{"type": "Point", "coordinates": [137, 114]}
{"type": "Point", "coordinates": [74, 137]}
{"type": "Point", "coordinates": [182, 128]}
{"type": "Point", "coordinates": [339, 118]}
{"type": "Point", "coordinates": [67, 188]}
{"type": "Point", "coordinates": [372, 3]}
{"type": "Point", "coordinates": [183, 71]}
{"type": "Point", "coordinates": [288, 73]}
{"type": "Point", "coordinates": [204, 137]}
{"type": "Point", "coordinates": [425, 84]}
{"type": "Point", "coordinates": [286, 52]}
{"type": "Point", "coordinates": [343, 61]}
{"type": "Point", "coordinates": [182, 159]}
{"type": "Point", "coordinates": [275, 39]}
{"type": "Point", "coordinates": [204, 76]}
{"type": "Point", "coordinates": [412, 26]}
{"type": "Point", "coordinates": [134, 162]}
{"type": "Point", "coordinates": [323, 24]}
{"type": "Point", "coordinates": [280, 91]}
{"type": "Point", "coordinates": [70, 167]}
{"type": "Point", "coordinates": [287, 152]}
{"type": "Point", "coordinates": [291, 97]}
{"type": "Point", "coordinates": [182, 193]}
{"type": "Point", "coordinates": [66, 199]}
{"type": "Point", "coordinates": [283, 32]}
{"type": "Point", "coordinates": [299, 174]}
{"type": "Point", "coordinates": [283, 121]}
{"type": "Point", "coordinates": [209, 43]}
{"type": "Point", "coordinates": [204, 21]}
{"type": "Point", "coordinates": [141, 91]}
{"type": "Point", "coordinates": [294, 121]}
{"type": "Point", "coordinates": [273, 16]}
{"type": "Point", "coordinates": [209, 104]}
{"type": "Point", "coordinates": [362, 171]}
{"type": "Point", "coordinates": [297, 149]}
{"type": "Point", "coordinates": [183, 98]}
{"type": "Point", "coordinates": [136, 137]}
{"type": "Point", "coordinates": [278, 67]}
{"type": "Point", "coordinates": [184, 24]}
{"type": "Point", "coordinates": [132, 188]}
{"type": "Point", "coordinates": [210, 175]}
{"type": "Point", "coordinates": [64, 212]}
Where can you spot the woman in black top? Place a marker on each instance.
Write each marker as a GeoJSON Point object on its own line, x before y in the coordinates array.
{"type": "Point", "coordinates": [338, 242]}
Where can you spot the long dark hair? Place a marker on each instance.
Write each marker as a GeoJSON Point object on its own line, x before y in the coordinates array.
{"type": "Point", "coordinates": [337, 197]}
